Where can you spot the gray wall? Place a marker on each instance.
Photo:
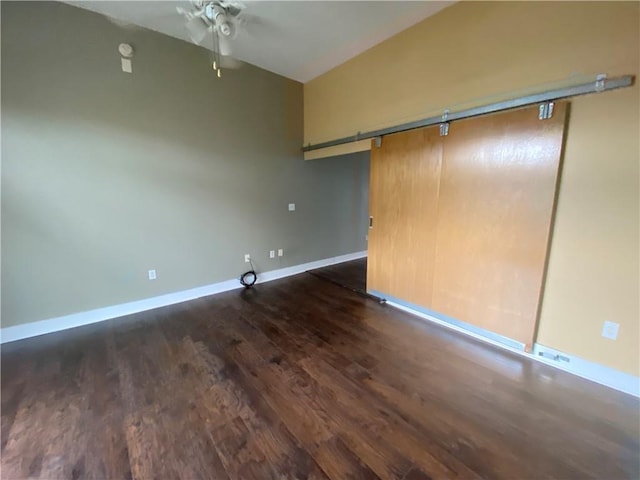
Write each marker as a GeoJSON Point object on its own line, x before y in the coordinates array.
{"type": "Point", "coordinates": [106, 175]}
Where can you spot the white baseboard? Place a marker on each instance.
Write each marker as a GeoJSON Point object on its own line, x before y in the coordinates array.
{"type": "Point", "coordinates": [33, 329]}
{"type": "Point", "coordinates": [595, 372]}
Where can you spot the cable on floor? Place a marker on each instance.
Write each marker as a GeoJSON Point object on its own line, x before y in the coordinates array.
{"type": "Point", "coordinates": [248, 279]}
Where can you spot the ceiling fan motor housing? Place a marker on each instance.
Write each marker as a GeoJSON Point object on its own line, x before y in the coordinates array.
{"type": "Point", "coordinates": [218, 16]}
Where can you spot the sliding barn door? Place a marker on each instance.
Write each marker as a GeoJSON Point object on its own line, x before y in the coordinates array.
{"type": "Point", "coordinates": [461, 223]}
{"type": "Point", "coordinates": [403, 199]}
{"type": "Point", "coordinates": [496, 203]}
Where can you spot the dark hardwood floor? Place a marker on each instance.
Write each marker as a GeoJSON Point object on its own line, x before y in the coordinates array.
{"type": "Point", "coordinates": [299, 378]}
{"type": "Point", "coordinates": [352, 275]}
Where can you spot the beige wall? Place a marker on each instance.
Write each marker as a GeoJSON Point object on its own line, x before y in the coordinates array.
{"type": "Point", "coordinates": [477, 52]}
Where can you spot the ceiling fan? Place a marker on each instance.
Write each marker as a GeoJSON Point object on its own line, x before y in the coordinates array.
{"type": "Point", "coordinates": [217, 22]}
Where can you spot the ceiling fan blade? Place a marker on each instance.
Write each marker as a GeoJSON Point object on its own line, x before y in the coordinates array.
{"type": "Point", "coordinates": [233, 7]}
{"type": "Point", "coordinates": [122, 23]}
{"type": "Point", "coordinates": [197, 29]}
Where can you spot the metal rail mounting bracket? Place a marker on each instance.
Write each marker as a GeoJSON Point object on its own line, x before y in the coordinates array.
{"type": "Point", "coordinates": [601, 78]}
{"type": "Point", "coordinates": [444, 126]}
{"type": "Point", "coordinates": [545, 110]}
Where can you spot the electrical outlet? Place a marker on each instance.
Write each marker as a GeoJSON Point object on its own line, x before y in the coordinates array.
{"type": "Point", "coordinates": [610, 330]}
{"type": "Point", "coordinates": [272, 254]}
{"type": "Point", "coordinates": [280, 252]}
{"type": "Point", "coordinates": [292, 207]}
{"type": "Point", "coordinates": [152, 275]}
{"type": "Point", "coordinates": [247, 258]}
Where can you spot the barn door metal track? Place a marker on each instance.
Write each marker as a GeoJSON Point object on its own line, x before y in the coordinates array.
{"type": "Point", "coordinates": [601, 84]}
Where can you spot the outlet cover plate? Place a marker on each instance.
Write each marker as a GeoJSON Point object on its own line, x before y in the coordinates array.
{"type": "Point", "coordinates": [292, 207]}
{"type": "Point", "coordinates": [610, 330]}
{"type": "Point", "coordinates": [152, 275]}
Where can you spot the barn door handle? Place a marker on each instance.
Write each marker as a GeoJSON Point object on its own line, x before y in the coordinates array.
{"type": "Point", "coordinates": [370, 222]}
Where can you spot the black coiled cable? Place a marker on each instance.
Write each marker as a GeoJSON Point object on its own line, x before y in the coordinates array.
{"type": "Point", "coordinates": [248, 279]}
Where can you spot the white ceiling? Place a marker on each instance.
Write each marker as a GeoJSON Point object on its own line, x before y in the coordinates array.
{"type": "Point", "coordinates": [296, 39]}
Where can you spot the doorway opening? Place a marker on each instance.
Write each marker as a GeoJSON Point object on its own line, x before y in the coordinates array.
{"type": "Point", "coordinates": [352, 274]}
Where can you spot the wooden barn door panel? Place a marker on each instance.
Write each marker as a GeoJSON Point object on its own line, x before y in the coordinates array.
{"type": "Point", "coordinates": [405, 173]}
{"type": "Point", "coordinates": [496, 204]}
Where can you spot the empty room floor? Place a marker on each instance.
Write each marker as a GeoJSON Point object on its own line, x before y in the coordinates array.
{"type": "Point", "coordinates": [299, 378]}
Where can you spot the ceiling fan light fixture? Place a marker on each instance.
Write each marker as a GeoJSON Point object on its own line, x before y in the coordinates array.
{"type": "Point", "coordinates": [217, 20]}
{"type": "Point", "coordinates": [225, 29]}
{"type": "Point", "coordinates": [224, 48]}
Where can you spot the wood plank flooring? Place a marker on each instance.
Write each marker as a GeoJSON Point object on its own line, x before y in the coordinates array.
{"type": "Point", "coordinates": [299, 379]}
{"type": "Point", "coordinates": [352, 274]}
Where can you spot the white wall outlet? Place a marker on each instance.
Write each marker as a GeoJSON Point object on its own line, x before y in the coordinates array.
{"type": "Point", "coordinates": [610, 330]}
{"type": "Point", "coordinates": [272, 254]}
{"type": "Point", "coordinates": [247, 258]}
{"type": "Point", "coordinates": [152, 275]}
{"type": "Point", "coordinates": [280, 252]}
{"type": "Point", "coordinates": [292, 207]}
